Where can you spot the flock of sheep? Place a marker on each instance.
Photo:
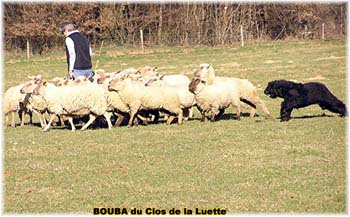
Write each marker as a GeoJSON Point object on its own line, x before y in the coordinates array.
{"type": "Point", "coordinates": [139, 95]}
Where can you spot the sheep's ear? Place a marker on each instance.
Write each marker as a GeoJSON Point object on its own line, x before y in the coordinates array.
{"type": "Point", "coordinates": [155, 68]}
{"type": "Point", "coordinates": [45, 83]}
{"type": "Point", "coordinates": [100, 80]}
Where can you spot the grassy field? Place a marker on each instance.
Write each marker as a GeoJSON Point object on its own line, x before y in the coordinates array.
{"type": "Point", "coordinates": [247, 166]}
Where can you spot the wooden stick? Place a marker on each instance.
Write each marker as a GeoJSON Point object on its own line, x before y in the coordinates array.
{"type": "Point", "coordinates": [28, 52]}
{"type": "Point", "coordinates": [99, 54]}
{"type": "Point", "coordinates": [322, 31]}
{"type": "Point", "coordinates": [242, 40]}
{"type": "Point", "coordinates": [141, 36]}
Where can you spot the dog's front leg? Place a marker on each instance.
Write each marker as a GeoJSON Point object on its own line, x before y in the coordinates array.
{"type": "Point", "coordinates": [286, 110]}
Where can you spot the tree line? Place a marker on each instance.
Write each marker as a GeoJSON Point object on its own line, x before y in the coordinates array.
{"type": "Point", "coordinates": [169, 24]}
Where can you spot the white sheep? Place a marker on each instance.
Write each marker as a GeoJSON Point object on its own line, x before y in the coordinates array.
{"type": "Point", "coordinates": [247, 91]}
{"type": "Point", "coordinates": [214, 98]}
{"type": "Point", "coordinates": [15, 102]}
{"type": "Point", "coordinates": [114, 102]}
{"type": "Point", "coordinates": [138, 97]}
{"type": "Point", "coordinates": [38, 106]}
{"type": "Point", "coordinates": [77, 100]}
{"type": "Point", "coordinates": [187, 98]}
{"type": "Point", "coordinates": [37, 103]}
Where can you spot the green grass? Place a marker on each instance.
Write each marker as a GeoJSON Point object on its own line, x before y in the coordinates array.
{"type": "Point", "coordinates": [247, 166]}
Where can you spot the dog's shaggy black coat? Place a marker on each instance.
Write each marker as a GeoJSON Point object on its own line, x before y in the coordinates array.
{"type": "Point", "coordinates": [298, 95]}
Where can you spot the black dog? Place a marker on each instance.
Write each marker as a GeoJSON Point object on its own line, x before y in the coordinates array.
{"type": "Point", "coordinates": [297, 95]}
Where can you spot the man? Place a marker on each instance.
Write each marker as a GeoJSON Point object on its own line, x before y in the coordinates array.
{"type": "Point", "coordinates": [78, 51]}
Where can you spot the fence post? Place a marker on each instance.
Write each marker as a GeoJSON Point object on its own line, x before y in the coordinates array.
{"type": "Point", "coordinates": [141, 36]}
{"type": "Point", "coordinates": [28, 52]}
{"type": "Point", "coordinates": [322, 31]}
{"type": "Point", "coordinates": [341, 29]}
{"type": "Point", "coordinates": [242, 40]}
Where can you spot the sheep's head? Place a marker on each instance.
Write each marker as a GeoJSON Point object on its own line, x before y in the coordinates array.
{"type": "Point", "coordinates": [206, 73]}
{"type": "Point", "coordinates": [99, 76]}
{"type": "Point", "coordinates": [99, 71]}
{"type": "Point", "coordinates": [116, 84]}
{"type": "Point", "coordinates": [38, 87]}
{"type": "Point", "coordinates": [36, 79]}
{"type": "Point", "coordinates": [195, 85]}
{"type": "Point", "coordinates": [154, 81]}
{"type": "Point", "coordinates": [29, 86]}
{"type": "Point", "coordinates": [57, 81]}
{"type": "Point", "coordinates": [135, 77]}
{"type": "Point", "coordinates": [132, 73]}
{"type": "Point", "coordinates": [149, 71]}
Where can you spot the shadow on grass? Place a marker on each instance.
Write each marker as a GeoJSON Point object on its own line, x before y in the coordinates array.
{"type": "Point", "coordinates": [312, 116]}
{"type": "Point", "coordinates": [227, 116]}
{"type": "Point", "coordinates": [101, 123]}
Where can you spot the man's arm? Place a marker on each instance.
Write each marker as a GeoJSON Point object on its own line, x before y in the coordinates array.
{"type": "Point", "coordinates": [90, 50]}
{"type": "Point", "coordinates": [71, 51]}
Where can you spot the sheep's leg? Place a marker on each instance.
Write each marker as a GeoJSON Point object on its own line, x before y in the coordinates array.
{"type": "Point", "coordinates": [70, 119]}
{"type": "Point", "coordinates": [213, 115]}
{"type": "Point", "coordinates": [143, 119]}
{"type": "Point", "coordinates": [238, 116]}
{"type": "Point", "coordinates": [91, 119]}
{"type": "Point", "coordinates": [190, 114]}
{"type": "Point", "coordinates": [166, 116]}
{"type": "Point", "coordinates": [132, 116]}
{"type": "Point", "coordinates": [119, 120]}
{"type": "Point", "coordinates": [203, 118]}
{"type": "Point", "coordinates": [252, 113]}
{"type": "Point", "coordinates": [22, 118]}
{"type": "Point", "coordinates": [170, 119]}
{"type": "Point", "coordinates": [180, 117]}
{"type": "Point", "coordinates": [136, 122]}
{"type": "Point", "coordinates": [6, 120]}
{"type": "Point", "coordinates": [13, 119]}
{"type": "Point", "coordinates": [52, 118]}
{"type": "Point", "coordinates": [61, 120]}
{"type": "Point", "coordinates": [43, 119]}
{"type": "Point", "coordinates": [259, 103]}
{"type": "Point", "coordinates": [30, 118]}
{"type": "Point", "coordinates": [108, 115]}
{"type": "Point", "coordinates": [38, 114]}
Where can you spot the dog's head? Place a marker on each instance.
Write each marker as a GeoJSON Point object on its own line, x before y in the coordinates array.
{"type": "Point", "coordinates": [273, 89]}
{"type": "Point", "coordinates": [281, 88]}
